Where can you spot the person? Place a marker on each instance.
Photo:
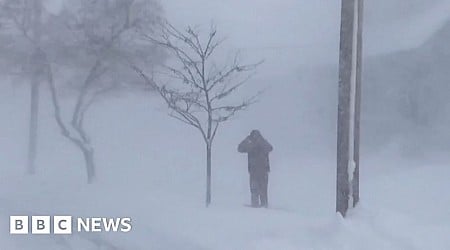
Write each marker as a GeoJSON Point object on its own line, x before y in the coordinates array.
{"type": "Point", "coordinates": [258, 150]}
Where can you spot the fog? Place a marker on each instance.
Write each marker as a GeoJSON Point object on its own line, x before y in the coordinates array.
{"type": "Point", "coordinates": [151, 167]}
{"type": "Point", "coordinates": [296, 38]}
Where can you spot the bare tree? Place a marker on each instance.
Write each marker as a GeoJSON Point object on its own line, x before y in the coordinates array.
{"type": "Point", "coordinates": [101, 35]}
{"type": "Point", "coordinates": [201, 95]}
{"type": "Point", "coordinates": [22, 19]}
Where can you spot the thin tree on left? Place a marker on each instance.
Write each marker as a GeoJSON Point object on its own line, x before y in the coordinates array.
{"type": "Point", "coordinates": [21, 36]}
{"type": "Point", "coordinates": [96, 38]}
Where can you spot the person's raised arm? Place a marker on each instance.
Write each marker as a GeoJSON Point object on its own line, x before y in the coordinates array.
{"type": "Point", "coordinates": [267, 146]}
{"type": "Point", "coordinates": [244, 146]}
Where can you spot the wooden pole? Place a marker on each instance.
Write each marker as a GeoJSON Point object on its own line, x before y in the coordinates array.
{"type": "Point", "coordinates": [350, 59]}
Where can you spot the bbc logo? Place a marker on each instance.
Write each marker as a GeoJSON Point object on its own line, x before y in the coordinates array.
{"type": "Point", "coordinates": [40, 224]}
{"type": "Point", "coordinates": [63, 224]}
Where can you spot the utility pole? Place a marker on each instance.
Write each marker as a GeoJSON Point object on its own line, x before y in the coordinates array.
{"type": "Point", "coordinates": [350, 58]}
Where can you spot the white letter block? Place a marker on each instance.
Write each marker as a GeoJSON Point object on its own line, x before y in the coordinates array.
{"type": "Point", "coordinates": [40, 224]}
{"type": "Point", "coordinates": [62, 224]}
{"type": "Point", "coordinates": [18, 224]}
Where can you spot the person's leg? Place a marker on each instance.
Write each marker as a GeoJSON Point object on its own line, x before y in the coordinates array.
{"type": "Point", "coordinates": [254, 190]}
{"type": "Point", "coordinates": [264, 185]}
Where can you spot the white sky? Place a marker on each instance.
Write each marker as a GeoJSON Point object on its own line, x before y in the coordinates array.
{"type": "Point", "coordinates": [308, 28]}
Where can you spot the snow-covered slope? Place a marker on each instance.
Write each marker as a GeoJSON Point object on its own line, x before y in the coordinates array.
{"type": "Point", "coordinates": [404, 100]}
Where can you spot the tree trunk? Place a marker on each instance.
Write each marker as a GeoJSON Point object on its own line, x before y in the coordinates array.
{"type": "Point", "coordinates": [33, 125]}
{"type": "Point", "coordinates": [347, 184]}
{"type": "Point", "coordinates": [208, 174]}
{"type": "Point", "coordinates": [34, 100]}
{"type": "Point", "coordinates": [90, 165]}
{"type": "Point", "coordinates": [84, 146]}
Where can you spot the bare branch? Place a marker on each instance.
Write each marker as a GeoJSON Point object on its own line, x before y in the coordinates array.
{"type": "Point", "coordinates": [172, 99]}
{"type": "Point", "coordinates": [212, 34]}
{"type": "Point", "coordinates": [78, 113]}
{"type": "Point", "coordinates": [179, 74]}
{"type": "Point", "coordinates": [57, 110]}
{"type": "Point", "coordinates": [215, 131]}
{"type": "Point", "coordinates": [236, 68]}
{"type": "Point", "coordinates": [171, 32]}
{"type": "Point", "coordinates": [227, 91]}
{"type": "Point", "coordinates": [198, 45]}
{"type": "Point", "coordinates": [203, 92]}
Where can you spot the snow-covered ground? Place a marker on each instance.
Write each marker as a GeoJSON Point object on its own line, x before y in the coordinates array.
{"type": "Point", "coordinates": [406, 209]}
{"type": "Point", "coordinates": [151, 168]}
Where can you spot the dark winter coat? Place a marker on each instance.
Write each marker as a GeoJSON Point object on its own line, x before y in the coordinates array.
{"type": "Point", "coordinates": [258, 150]}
